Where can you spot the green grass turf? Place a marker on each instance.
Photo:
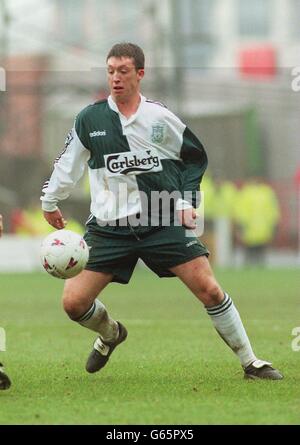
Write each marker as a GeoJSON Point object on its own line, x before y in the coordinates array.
{"type": "Point", "coordinates": [173, 368]}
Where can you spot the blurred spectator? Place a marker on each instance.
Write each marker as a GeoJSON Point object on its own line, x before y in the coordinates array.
{"type": "Point", "coordinates": [31, 222]}
{"type": "Point", "coordinates": [207, 187]}
{"type": "Point", "coordinates": [219, 211]}
{"type": "Point", "coordinates": [257, 214]}
{"type": "Point", "coordinates": [209, 190]}
{"type": "Point", "coordinates": [225, 199]}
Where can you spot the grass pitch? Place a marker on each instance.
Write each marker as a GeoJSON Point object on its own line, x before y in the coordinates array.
{"type": "Point", "coordinates": [173, 368]}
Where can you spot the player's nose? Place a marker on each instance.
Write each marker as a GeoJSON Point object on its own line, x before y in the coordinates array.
{"type": "Point", "coordinates": [116, 78]}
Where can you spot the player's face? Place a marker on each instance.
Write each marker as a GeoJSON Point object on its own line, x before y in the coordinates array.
{"type": "Point", "coordinates": [123, 78]}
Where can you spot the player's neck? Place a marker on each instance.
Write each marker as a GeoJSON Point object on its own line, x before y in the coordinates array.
{"type": "Point", "coordinates": [128, 106]}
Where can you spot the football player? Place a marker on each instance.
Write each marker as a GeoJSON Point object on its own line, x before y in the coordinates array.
{"type": "Point", "coordinates": [134, 148]}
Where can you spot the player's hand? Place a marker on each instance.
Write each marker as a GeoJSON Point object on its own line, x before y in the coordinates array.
{"type": "Point", "coordinates": [55, 219]}
{"type": "Point", "coordinates": [1, 225]}
{"type": "Point", "coordinates": [187, 218]}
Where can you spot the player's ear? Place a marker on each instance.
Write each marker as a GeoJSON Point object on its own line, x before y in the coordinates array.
{"type": "Point", "coordinates": [140, 73]}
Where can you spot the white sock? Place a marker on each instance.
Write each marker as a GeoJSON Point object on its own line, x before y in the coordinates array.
{"type": "Point", "coordinates": [229, 326]}
{"type": "Point", "coordinates": [97, 319]}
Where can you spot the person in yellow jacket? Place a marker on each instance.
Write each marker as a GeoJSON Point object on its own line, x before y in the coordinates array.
{"type": "Point", "coordinates": [225, 200]}
{"type": "Point", "coordinates": [208, 189]}
{"type": "Point", "coordinates": [208, 198]}
{"type": "Point", "coordinates": [219, 210]}
{"type": "Point", "coordinates": [257, 214]}
{"type": "Point", "coordinates": [219, 198]}
{"type": "Point", "coordinates": [31, 222]}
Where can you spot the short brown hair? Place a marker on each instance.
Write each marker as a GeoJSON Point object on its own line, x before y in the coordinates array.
{"type": "Point", "coordinates": [128, 50]}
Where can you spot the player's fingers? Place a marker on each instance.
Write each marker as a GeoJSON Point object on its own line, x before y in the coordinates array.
{"type": "Point", "coordinates": [59, 223]}
{"type": "Point", "coordinates": [189, 216]}
{"type": "Point", "coordinates": [54, 221]}
{"type": "Point", "coordinates": [192, 220]}
{"type": "Point", "coordinates": [190, 225]}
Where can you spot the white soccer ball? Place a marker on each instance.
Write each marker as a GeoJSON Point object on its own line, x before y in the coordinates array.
{"type": "Point", "coordinates": [64, 254]}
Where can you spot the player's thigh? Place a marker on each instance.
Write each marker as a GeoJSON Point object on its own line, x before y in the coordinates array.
{"type": "Point", "coordinates": [198, 276]}
{"type": "Point", "coordinates": [86, 286]}
{"type": "Point", "coordinates": [168, 247]}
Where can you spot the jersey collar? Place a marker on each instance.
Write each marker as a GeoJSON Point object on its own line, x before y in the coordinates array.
{"type": "Point", "coordinates": [112, 104]}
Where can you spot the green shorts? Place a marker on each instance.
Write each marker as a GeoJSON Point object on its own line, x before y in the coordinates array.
{"type": "Point", "coordinates": [161, 249]}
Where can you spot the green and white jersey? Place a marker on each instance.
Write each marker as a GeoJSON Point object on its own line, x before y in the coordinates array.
{"type": "Point", "coordinates": [152, 151]}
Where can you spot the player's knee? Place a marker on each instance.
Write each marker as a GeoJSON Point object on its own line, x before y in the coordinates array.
{"type": "Point", "coordinates": [72, 306]}
{"type": "Point", "coordinates": [211, 293]}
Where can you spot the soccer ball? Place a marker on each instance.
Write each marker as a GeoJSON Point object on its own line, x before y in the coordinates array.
{"type": "Point", "coordinates": [64, 254]}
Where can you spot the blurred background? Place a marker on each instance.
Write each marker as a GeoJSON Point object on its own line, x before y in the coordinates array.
{"type": "Point", "coordinates": [229, 68]}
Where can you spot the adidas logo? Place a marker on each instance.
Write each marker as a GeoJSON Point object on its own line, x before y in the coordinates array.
{"type": "Point", "coordinates": [191, 243]}
{"type": "Point", "coordinates": [94, 134]}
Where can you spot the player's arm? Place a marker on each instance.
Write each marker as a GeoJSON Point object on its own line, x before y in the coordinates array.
{"type": "Point", "coordinates": [187, 149]}
{"type": "Point", "coordinates": [68, 169]}
{"type": "Point", "coordinates": [194, 158]}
